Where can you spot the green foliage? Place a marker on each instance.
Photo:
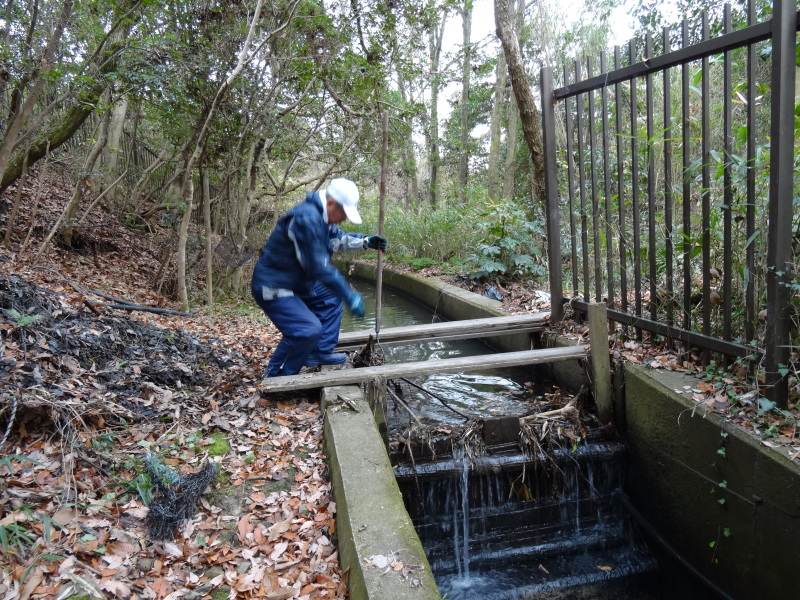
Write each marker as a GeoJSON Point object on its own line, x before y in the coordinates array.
{"type": "Point", "coordinates": [20, 319]}
{"type": "Point", "coordinates": [437, 235]}
{"type": "Point", "coordinates": [510, 244]}
{"type": "Point", "coordinates": [421, 263]}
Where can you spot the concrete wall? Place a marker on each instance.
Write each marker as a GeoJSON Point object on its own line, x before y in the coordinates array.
{"type": "Point", "coordinates": [675, 466]}
{"type": "Point", "coordinates": [378, 546]}
{"type": "Point", "coordinates": [694, 476]}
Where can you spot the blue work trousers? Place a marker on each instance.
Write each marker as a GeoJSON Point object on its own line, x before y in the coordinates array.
{"type": "Point", "coordinates": [308, 324]}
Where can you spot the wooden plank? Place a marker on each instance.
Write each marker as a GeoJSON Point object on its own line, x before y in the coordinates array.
{"type": "Point", "coordinates": [472, 328]}
{"type": "Point", "coordinates": [306, 381]}
{"type": "Point", "coordinates": [600, 361]}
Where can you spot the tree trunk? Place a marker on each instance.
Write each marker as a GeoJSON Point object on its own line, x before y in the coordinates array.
{"type": "Point", "coordinates": [435, 48]}
{"type": "Point", "coordinates": [512, 146]}
{"type": "Point", "coordinates": [15, 208]}
{"type": "Point", "coordinates": [58, 133]}
{"type": "Point", "coordinates": [512, 139]}
{"type": "Point", "coordinates": [206, 195]}
{"type": "Point", "coordinates": [28, 155]}
{"type": "Point", "coordinates": [409, 158]}
{"type": "Point", "coordinates": [84, 180]}
{"type": "Point", "coordinates": [205, 130]}
{"type": "Point", "coordinates": [529, 113]}
{"type": "Point", "coordinates": [493, 179]}
{"type": "Point", "coordinates": [114, 147]}
{"type": "Point", "coordinates": [466, 71]}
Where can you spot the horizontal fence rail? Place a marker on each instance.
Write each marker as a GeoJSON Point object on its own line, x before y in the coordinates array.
{"type": "Point", "coordinates": [670, 185]}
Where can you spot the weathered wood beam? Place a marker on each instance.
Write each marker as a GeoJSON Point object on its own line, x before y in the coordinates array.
{"type": "Point", "coordinates": [448, 330]}
{"type": "Point", "coordinates": [306, 381]}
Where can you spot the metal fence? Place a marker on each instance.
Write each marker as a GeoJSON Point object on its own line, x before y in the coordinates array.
{"type": "Point", "coordinates": [670, 186]}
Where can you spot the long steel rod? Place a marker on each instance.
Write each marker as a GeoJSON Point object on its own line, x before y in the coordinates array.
{"type": "Point", "coordinates": [381, 209]}
{"type": "Point", "coordinates": [705, 192]}
{"type": "Point", "coordinates": [750, 213]}
{"type": "Point", "coordinates": [551, 195]}
{"type": "Point", "coordinates": [779, 245]}
{"type": "Point", "coordinates": [652, 240]}
{"type": "Point", "coordinates": [622, 226]}
{"type": "Point", "coordinates": [597, 251]}
{"type": "Point", "coordinates": [573, 233]}
{"type": "Point", "coordinates": [636, 214]}
{"type": "Point", "coordinates": [668, 226]}
{"type": "Point", "coordinates": [582, 191]}
{"type": "Point", "coordinates": [686, 150]}
{"type": "Point", "coordinates": [610, 286]}
{"type": "Point", "coordinates": [727, 212]}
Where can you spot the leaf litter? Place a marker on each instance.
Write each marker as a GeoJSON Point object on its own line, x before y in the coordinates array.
{"type": "Point", "coordinates": [93, 393]}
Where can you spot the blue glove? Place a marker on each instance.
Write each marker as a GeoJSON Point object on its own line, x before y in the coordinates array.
{"type": "Point", "coordinates": [356, 305]}
{"type": "Point", "coordinates": [376, 242]}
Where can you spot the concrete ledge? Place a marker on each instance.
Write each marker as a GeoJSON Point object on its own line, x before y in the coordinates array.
{"type": "Point", "coordinates": [371, 519]}
{"type": "Point", "coordinates": [694, 476]}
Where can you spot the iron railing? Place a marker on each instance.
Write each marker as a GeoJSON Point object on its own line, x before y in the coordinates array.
{"type": "Point", "coordinates": [666, 172]}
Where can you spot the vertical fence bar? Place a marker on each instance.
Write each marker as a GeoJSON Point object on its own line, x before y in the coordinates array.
{"type": "Point", "coordinates": [750, 213]}
{"type": "Point", "coordinates": [779, 244]}
{"type": "Point", "coordinates": [668, 184]}
{"type": "Point", "coordinates": [636, 216]}
{"type": "Point", "coordinates": [551, 195]}
{"type": "Point", "coordinates": [651, 186]}
{"type": "Point", "coordinates": [623, 245]}
{"type": "Point", "coordinates": [573, 234]}
{"type": "Point", "coordinates": [596, 251]}
{"type": "Point", "coordinates": [705, 193]}
{"type": "Point", "coordinates": [727, 212]}
{"type": "Point", "coordinates": [686, 141]}
{"type": "Point", "coordinates": [582, 189]}
{"type": "Point", "coordinates": [610, 287]}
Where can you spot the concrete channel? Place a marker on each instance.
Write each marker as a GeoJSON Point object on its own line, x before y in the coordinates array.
{"type": "Point", "coordinates": [716, 495]}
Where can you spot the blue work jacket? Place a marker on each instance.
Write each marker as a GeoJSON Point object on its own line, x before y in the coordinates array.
{"type": "Point", "coordinates": [298, 254]}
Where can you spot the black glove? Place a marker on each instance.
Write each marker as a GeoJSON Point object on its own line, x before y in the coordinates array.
{"type": "Point", "coordinates": [376, 242]}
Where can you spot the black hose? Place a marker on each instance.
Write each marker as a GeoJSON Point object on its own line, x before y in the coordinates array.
{"type": "Point", "coordinates": [645, 524]}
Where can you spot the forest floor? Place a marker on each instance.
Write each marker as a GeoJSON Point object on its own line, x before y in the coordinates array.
{"type": "Point", "coordinates": [93, 399]}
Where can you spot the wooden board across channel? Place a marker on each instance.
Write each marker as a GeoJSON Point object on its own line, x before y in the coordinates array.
{"type": "Point", "coordinates": [346, 376]}
{"type": "Point", "coordinates": [447, 330]}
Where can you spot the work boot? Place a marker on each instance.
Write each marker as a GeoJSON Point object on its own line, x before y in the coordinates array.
{"type": "Point", "coordinates": [317, 359]}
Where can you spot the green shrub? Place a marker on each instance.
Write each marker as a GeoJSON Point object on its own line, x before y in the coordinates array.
{"type": "Point", "coordinates": [510, 244]}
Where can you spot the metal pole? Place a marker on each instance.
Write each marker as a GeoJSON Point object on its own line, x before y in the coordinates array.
{"type": "Point", "coordinates": [382, 205]}
{"type": "Point", "coordinates": [779, 239]}
{"type": "Point", "coordinates": [551, 193]}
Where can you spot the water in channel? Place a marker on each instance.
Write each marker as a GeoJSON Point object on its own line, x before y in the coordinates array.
{"type": "Point", "coordinates": [499, 526]}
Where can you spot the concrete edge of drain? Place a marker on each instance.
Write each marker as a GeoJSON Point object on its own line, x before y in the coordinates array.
{"type": "Point", "coordinates": [378, 546]}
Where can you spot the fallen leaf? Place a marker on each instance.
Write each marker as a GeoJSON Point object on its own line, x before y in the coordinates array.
{"type": "Point", "coordinates": [118, 588]}
{"type": "Point", "coordinates": [278, 528]}
{"type": "Point", "coordinates": [282, 594]}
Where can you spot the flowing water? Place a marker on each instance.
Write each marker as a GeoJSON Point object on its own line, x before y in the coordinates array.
{"type": "Point", "coordinates": [503, 526]}
{"type": "Point", "coordinates": [479, 394]}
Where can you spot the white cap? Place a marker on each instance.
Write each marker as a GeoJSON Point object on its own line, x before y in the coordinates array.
{"type": "Point", "coordinates": [345, 193]}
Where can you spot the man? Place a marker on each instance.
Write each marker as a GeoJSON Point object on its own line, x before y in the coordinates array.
{"type": "Point", "coordinates": [299, 289]}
